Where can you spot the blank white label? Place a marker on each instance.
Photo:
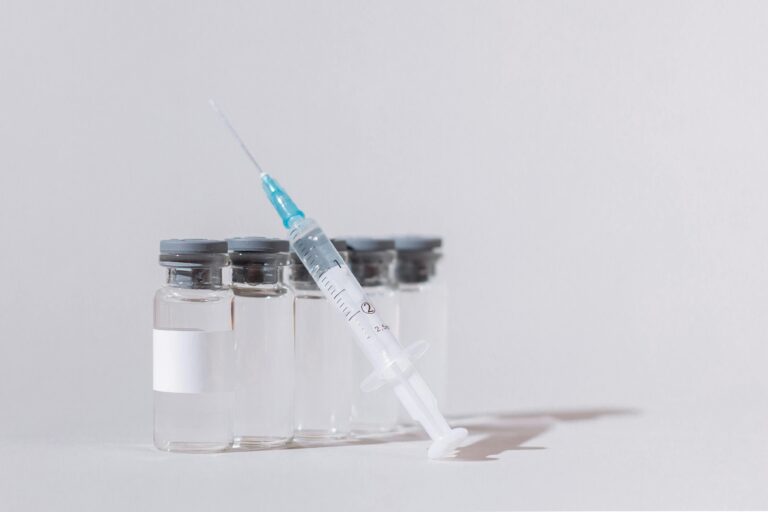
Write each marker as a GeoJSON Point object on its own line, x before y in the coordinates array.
{"type": "Point", "coordinates": [193, 361]}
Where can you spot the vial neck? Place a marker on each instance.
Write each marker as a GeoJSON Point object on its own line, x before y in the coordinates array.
{"type": "Point", "coordinates": [416, 268]}
{"type": "Point", "coordinates": [415, 272]}
{"type": "Point", "coordinates": [194, 277]}
{"type": "Point", "coordinates": [257, 274]}
{"type": "Point", "coordinates": [372, 268]}
{"type": "Point", "coordinates": [371, 274]}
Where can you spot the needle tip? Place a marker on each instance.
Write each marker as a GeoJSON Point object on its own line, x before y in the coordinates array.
{"type": "Point", "coordinates": [235, 135]}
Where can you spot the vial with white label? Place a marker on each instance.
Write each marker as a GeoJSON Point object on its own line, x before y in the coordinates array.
{"type": "Point", "coordinates": [423, 306]}
{"type": "Point", "coordinates": [324, 348]}
{"type": "Point", "coordinates": [263, 319]}
{"type": "Point", "coordinates": [371, 260]}
{"type": "Point", "coordinates": [193, 349]}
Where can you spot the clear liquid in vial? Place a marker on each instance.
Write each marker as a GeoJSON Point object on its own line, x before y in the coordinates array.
{"type": "Point", "coordinates": [193, 422]}
{"type": "Point", "coordinates": [324, 385]}
{"type": "Point", "coordinates": [263, 412]}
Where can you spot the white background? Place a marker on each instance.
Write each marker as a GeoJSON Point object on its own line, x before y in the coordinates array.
{"type": "Point", "coordinates": [598, 171]}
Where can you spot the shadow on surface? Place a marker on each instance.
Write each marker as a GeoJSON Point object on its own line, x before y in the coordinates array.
{"type": "Point", "coordinates": [491, 434]}
{"type": "Point", "coordinates": [501, 432]}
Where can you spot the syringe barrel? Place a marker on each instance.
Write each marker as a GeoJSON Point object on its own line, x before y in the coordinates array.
{"type": "Point", "coordinates": [337, 283]}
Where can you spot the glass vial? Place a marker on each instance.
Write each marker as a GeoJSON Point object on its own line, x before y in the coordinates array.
{"type": "Point", "coordinates": [193, 349]}
{"type": "Point", "coordinates": [324, 347]}
{"type": "Point", "coordinates": [371, 260]}
{"type": "Point", "coordinates": [263, 319]}
{"type": "Point", "coordinates": [424, 306]}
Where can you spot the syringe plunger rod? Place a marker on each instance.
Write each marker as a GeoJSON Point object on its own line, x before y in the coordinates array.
{"type": "Point", "coordinates": [420, 403]}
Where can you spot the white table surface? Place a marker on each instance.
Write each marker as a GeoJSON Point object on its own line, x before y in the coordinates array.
{"type": "Point", "coordinates": [602, 458]}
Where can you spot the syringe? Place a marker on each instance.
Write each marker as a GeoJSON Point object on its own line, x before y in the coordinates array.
{"type": "Point", "coordinates": [392, 364]}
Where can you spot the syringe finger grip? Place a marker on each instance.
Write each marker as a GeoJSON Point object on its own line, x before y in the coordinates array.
{"type": "Point", "coordinates": [389, 374]}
